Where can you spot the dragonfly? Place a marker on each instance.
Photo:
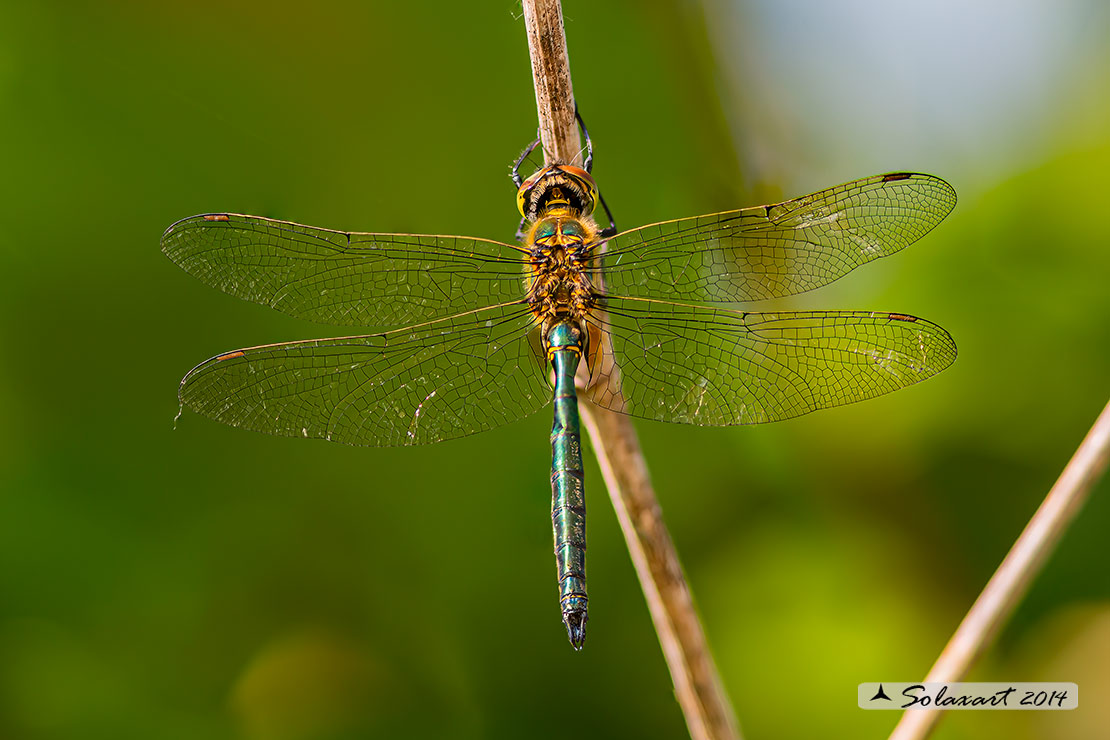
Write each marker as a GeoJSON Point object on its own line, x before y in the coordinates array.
{"type": "Point", "coordinates": [491, 332]}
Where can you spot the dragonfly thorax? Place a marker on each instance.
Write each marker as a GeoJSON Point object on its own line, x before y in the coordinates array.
{"type": "Point", "coordinates": [561, 249]}
{"type": "Point", "coordinates": [559, 188]}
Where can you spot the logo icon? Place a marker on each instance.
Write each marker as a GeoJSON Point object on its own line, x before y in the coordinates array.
{"type": "Point", "coordinates": [880, 694]}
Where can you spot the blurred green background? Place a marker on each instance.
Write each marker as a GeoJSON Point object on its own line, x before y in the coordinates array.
{"type": "Point", "coordinates": [207, 582]}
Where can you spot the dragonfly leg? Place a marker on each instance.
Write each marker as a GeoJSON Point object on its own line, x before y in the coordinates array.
{"type": "Point", "coordinates": [517, 179]}
{"type": "Point", "coordinates": [589, 163]}
{"type": "Point", "coordinates": [611, 229]}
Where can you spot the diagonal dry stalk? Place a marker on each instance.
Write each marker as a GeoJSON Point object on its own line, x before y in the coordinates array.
{"type": "Point", "coordinates": [709, 715]}
{"type": "Point", "coordinates": [1011, 581]}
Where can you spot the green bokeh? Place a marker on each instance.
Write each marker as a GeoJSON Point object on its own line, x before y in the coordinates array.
{"type": "Point", "coordinates": [200, 581]}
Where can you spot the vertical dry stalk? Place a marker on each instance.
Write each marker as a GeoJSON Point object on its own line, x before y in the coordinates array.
{"type": "Point", "coordinates": [547, 47]}
{"type": "Point", "coordinates": [698, 688]}
{"type": "Point", "coordinates": [1011, 581]}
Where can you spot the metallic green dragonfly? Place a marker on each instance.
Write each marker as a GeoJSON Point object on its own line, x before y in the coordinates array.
{"type": "Point", "coordinates": [493, 331]}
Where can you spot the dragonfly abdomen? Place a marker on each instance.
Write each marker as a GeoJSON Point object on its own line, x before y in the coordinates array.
{"type": "Point", "coordinates": [568, 498]}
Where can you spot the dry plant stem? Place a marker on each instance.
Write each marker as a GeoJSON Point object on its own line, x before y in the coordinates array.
{"type": "Point", "coordinates": [697, 684]}
{"type": "Point", "coordinates": [1011, 581]}
{"type": "Point", "coordinates": [698, 688]}
{"type": "Point", "coordinates": [547, 46]}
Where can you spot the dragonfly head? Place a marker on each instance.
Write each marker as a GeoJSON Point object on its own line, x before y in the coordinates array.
{"type": "Point", "coordinates": [557, 187]}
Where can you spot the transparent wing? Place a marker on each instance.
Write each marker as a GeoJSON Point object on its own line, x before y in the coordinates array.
{"type": "Point", "coordinates": [716, 367]}
{"type": "Point", "coordinates": [777, 250]}
{"type": "Point", "coordinates": [350, 278]}
{"type": "Point", "coordinates": [418, 385]}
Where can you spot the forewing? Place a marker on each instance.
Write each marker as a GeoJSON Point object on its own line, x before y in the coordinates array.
{"type": "Point", "coordinates": [348, 278]}
{"type": "Point", "coordinates": [777, 250]}
{"type": "Point", "coordinates": [716, 367]}
{"type": "Point", "coordinates": [412, 386]}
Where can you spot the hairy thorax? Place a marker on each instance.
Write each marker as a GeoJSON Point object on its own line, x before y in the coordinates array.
{"type": "Point", "coordinates": [562, 251]}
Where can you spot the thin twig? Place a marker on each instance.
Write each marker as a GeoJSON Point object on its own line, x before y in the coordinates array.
{"type": "Point", "coordinates": [1011, 581]}
{"type": "Point", "coordinates": [698, 688]}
